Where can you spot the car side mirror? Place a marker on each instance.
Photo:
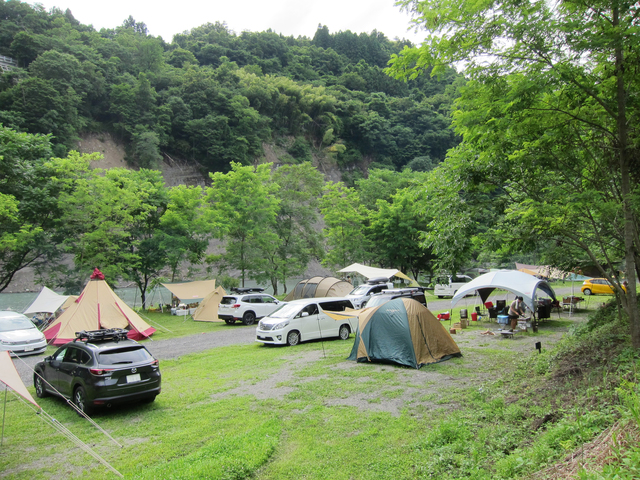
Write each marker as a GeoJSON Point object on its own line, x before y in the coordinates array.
{"type": "Point", "coordinates": [305, 314]}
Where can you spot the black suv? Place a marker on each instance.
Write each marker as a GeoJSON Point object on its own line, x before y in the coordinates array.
{"type": "Point", "coordinates": [99, 368]}
{"type": "Point", "coordinates": [417, 293]}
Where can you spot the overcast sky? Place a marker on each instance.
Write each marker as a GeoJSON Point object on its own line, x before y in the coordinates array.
{"type": "Point", "coordinates": [289, 17]}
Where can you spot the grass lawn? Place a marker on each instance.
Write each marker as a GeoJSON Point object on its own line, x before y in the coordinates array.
{"type": "Point", "coordinates": [259, 412]}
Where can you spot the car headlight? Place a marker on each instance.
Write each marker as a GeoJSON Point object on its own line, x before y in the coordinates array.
{"type": "Point", "coordinates": [280, 325]}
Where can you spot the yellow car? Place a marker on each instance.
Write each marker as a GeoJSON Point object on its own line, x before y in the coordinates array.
{"type": "Point", "coordinates": [595, 286]}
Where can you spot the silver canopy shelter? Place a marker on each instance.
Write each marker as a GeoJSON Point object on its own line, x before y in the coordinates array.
{"type": "Point", "coordinates": [47, 301]}
{"type": "Point", "coordinates": [519, 283]}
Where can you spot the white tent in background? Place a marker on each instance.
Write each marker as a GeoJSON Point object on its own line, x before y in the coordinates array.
{"type": "Point", "coordinates": [47, 301]}
{"type": "Point", "coordinates": [373, 272]}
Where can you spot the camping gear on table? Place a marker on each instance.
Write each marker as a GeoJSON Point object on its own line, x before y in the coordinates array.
{"type": "Point", "coordinates": [402, 331]}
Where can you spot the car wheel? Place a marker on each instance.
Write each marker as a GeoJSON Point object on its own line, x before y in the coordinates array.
{"type": "Point", "coordinates": [587, 291]}
{"type": "Point", "coordinates": [229, 321]}
{"type": "Point", "coordinates": [39, 384]}
{"type": "Point", "coordinates": [293, 338]}
{"type": "Point", "coordinates": [344, 332]}
{"type": "Point", "coordinates": [80, 400]}
{"type": "Point", "coordinates": [150, 399]}
{"type": "Point", "coordinates": [249, 318]}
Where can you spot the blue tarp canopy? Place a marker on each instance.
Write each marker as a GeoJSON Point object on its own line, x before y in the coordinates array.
{"type": "Point", "coordinates": [519, 283]}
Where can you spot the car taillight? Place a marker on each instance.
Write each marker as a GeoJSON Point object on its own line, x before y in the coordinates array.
{"type": "Point", "coordinates": [237, 305]}
{"type": "Point", "coordinates": [155, 363]}
{"type": "Point", "coordinates": [100, 371]}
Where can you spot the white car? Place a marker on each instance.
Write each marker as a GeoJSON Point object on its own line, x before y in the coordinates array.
{"type": "Point", "coordinates": [362, 293]}
{"type": "Point", "coordinates": [305, 319]}
{"type": "Point", "coordinates": [19, 336]}
{"type": "Point", "coordinates": [246, 307]}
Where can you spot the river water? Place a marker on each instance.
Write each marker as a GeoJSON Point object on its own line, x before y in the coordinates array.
{"type": "Point", "coordinates": [18, 302]}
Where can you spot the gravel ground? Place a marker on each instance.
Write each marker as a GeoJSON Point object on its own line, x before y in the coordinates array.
{"type": "Point", "coordinates": [163, 349]}
{"type": "Point", "coordinates": [241, 335]}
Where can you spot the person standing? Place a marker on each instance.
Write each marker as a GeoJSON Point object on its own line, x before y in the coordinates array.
{"type": "Point", "coordinates": [515, 310]}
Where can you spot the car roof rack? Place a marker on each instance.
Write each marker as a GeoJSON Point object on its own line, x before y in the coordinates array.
{"type": "Point", "coordinates": [247, 289]}
{"type": "Point", "coordinates": [114, 334]}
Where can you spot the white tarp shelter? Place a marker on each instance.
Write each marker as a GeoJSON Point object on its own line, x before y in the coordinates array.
{"type": "Point", "coordinates": [191, 290]}
{"type": "Point", "coordinates": [519, 283]}
{"type": "Point", "coordinates": [373, 272]}
{"type": "Point", "coordinates": [47, 301]}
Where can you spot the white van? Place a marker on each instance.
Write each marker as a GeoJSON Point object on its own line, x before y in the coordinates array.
{"type": "Point", "coordinates": [448, 286]}
{"type": "Point", "coordinates": [305, 319]}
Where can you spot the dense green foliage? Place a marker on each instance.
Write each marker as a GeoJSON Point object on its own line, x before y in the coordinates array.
{"type": "Point", "coordinates": [213, 97]}
{"type": "Point", "coordinates": [549, 160]}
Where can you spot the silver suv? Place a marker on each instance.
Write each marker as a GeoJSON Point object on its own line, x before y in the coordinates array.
{"type": "Point", "coordinates": [246, 305]}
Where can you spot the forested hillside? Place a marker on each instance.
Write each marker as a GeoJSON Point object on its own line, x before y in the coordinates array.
{"type": "Point", "coordinates": [213, 96]}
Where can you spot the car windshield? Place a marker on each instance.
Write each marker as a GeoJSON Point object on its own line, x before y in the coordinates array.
{"type": "Point", "coordinates": [361, 290]}
{"type": "Point", "coordinates": [122, 356]}
{"type": "Point", "coordinates": [286, 311]}
{"type": "Point", "coordinates": [17, 322]}
{"type": "Point", "coordinates": [376, 301]}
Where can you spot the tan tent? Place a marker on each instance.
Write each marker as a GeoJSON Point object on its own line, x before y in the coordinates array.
{"type": "Point", "coordinates": [10, 377]}
{"type": "Point", "coordinates": [401, 331]}
{"type": "Point", "coordinates": [191, 290]}
{"type": "Point", "coordinates": [207, 311]}
{"type": "Point", "coordinates": [97, 307]}
{"type": "Point", "coordinates": [319, 287]}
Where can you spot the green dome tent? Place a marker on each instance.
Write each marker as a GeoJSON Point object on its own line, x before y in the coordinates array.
{"type": "Point", "coordinates": [402, 331]}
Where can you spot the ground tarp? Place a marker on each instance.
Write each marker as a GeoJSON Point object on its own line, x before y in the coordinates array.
{"type": "Point", "coordinates": [519, 283]}
{"type": "Point", "coordinates": [373, 272]}
{"type": "Point", "coordinates": [319, 287]}
{"type": "Point", "coordinates": [96, 308]}
{"type": "Point", "coordinates": [191, 290]}
{"type": "Point", "coordinates": [47, 301]}
{"type": "Point", "coordinates": [401, 331]}
{"type": "Point", "coordinates": [207, 311]}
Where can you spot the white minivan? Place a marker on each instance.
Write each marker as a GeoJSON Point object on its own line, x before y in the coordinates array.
{"type": "Point", "coordinates": [305, 319]}
{"type": "Point", "coordinates": [448, 286]}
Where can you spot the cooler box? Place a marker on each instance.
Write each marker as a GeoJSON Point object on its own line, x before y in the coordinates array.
{"type": "Point", "coordinates": [474, 316]}
{"type": "Point", "coordinates": [503, 319]}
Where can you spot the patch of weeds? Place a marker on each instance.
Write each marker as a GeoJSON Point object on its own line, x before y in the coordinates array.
{"type": "Point", "coordinates": [393, 393]}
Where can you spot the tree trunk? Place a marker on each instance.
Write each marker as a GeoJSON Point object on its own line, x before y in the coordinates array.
{"type": "Point", "coordinates": [630, 299]}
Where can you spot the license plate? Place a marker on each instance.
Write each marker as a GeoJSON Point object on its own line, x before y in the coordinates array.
{"type": "Point", "coordinates": [28, 349]}
{"type": "Point", "coordinates": [133, 378]}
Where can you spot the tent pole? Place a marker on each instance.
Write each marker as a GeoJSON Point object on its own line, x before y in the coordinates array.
{"type": "Point", "coordinates": [324, 355]}
{"type": "Point", "coordinates": [4, 411]}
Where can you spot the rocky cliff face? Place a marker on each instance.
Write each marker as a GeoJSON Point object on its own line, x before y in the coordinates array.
{"type": "Point", "coordinates": [175, 172]}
